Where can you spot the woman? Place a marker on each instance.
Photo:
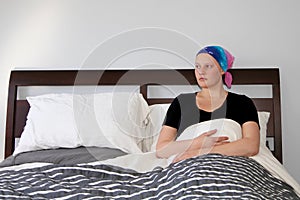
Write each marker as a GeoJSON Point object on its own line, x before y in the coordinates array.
{"type": "Point", "coordinates": [212, 102]}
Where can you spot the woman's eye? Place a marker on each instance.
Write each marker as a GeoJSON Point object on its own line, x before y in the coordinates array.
{"type": "Point", "coordinates": [208, 66]}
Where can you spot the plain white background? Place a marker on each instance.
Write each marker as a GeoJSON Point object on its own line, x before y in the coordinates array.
{"type": "Point", "coordinates": [62, 34]}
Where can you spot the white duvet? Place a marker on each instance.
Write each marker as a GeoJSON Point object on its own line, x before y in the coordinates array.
{"type": "Point", "coordinates": [226, 127]}
{"type": "Point", "coordinates": [148, 161]}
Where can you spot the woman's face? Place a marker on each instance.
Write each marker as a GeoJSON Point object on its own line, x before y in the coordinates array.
{"type": "Point", "coordinates": [207, 71]}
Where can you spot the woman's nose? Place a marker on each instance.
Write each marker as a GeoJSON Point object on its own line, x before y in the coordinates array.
{"type": "Point", "coordinates": [200, 70]}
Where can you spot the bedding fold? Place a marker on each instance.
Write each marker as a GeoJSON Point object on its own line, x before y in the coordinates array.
{"type": "Point", "coordinates": [148, 161]}
{"type": "Point", "coordinates": [211, 176]}
{"type": "Point", "coordinates": [64, 156]}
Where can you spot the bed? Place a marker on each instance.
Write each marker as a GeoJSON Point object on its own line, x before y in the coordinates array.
{"type": "Point", "coordinates": [78, 163]}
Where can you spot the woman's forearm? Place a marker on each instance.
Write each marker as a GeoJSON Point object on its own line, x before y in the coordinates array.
{"type": "Point", "coordinates": [243, 147]}
{"type": "Point", "coordinates": [167, 149]}
{"type": "Point", "coordinates": [247, 146]}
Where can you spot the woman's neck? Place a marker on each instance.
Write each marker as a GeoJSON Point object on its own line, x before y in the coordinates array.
{"type": "Point", "coordinates": [213, 93]}
{"type": "Point", "coordinates": [210, 100]}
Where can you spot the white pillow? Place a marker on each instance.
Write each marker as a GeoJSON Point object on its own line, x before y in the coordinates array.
{"type": "Point", "coordinates": [50, 124]}
{"type": "Point", "coordinates": [225, 127]}
{"type": "Point", "coordinates": [67, 120]}
{"type": "Point", "coordinates": [157, 116]}
{"type": "Point", "coordinates": [263, 118]}
{"type": "Point", "coordinates": [116, 118]}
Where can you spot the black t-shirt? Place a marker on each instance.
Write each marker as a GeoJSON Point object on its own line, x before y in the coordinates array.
{"type": "Point", "coordinates": [184, 112]}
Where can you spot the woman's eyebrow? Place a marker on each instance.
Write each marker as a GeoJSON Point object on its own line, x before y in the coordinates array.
{"type": "Point", "coordinates": [205, 63]}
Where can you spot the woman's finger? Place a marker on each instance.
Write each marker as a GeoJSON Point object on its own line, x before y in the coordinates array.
{"type": "Point", "coordinates": [221, 143]}
{"type": "Point", "coordinates": [222, 138]}
{"type": "Point", "coordinates": [211, 132]}
{"type": "Point", "coordinates": [218, 139]}
{"type": "Point", "coordinates": [177, 158]}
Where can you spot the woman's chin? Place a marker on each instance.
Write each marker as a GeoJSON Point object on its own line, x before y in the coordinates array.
{"type": "Point", "coordinates": [202, 85]}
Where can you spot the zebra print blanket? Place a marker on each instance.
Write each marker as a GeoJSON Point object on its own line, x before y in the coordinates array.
{"type": "Point", "coordinates": [211, 176]}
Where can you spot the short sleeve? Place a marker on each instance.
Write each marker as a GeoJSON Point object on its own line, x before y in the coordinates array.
{"type": "Point", "coordinates": [173, 115]}
{"type": "Point", "coordinates": [249, 110]}
{"type": "Point", "coordinates": [241, 109]}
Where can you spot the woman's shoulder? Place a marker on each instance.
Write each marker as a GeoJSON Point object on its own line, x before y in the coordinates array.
{"type": "Point", "coordinates": [187, 95]}
{"type": "Point", "coordinates": [238, 98]}
{"type": "Point", "coordinates": [186, 98]}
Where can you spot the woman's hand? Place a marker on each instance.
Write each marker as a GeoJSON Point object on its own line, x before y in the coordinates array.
{"type": "Point", "coordinates": [168, 146]}
{"type": "Point", "coordinates": [205, 140]}
{"type": "Point", "coordinates": [186, 155]}
{"type": "Point", "coordinates": [206, 145]}
{"type": "Point", "coordinates": [248, 145]}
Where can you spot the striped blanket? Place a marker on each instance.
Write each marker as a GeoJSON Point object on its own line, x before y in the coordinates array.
{"type": "Point", "coordinates": [211, 176]}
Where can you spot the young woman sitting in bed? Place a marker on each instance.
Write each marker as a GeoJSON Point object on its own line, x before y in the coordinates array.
{"type": "Point", "coordinates": [212, 102]}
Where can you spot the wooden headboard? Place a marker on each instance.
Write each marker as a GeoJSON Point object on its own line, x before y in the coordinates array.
{"type": "Point", "coordinates": [17, 109]}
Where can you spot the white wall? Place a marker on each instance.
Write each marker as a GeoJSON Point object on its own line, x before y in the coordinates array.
{"type": "Point", "coordinates": [63, 33]}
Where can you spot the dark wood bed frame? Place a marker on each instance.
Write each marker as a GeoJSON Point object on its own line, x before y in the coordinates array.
{"type": "Point", "coordinates": [17, 109]}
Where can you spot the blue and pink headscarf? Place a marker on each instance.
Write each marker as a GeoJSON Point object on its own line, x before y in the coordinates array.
{"type": "Point", "coordinates": [223, 57]}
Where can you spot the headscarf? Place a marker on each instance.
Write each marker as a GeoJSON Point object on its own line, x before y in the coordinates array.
{"type": "Point", "coordinates": [223, 57]}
